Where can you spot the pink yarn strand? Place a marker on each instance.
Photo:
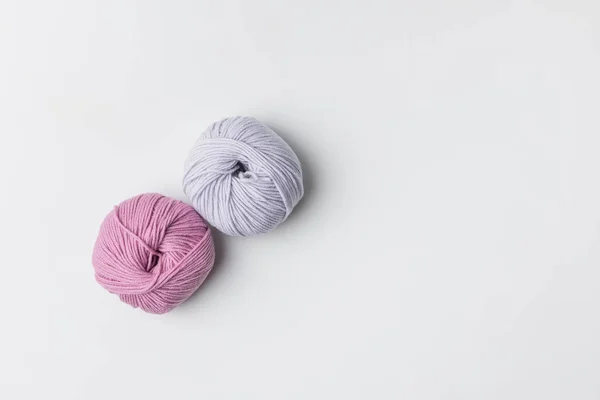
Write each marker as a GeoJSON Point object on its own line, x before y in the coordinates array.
{"type": "Point", "coordinates": [154, 252]}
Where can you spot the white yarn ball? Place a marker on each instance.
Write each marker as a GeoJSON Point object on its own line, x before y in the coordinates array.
{"type": "Point", "coordinates": [242, 177]}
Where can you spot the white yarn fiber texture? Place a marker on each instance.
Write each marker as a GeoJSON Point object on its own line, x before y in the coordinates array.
{"type": "Point", "coordinates": [242, 177]}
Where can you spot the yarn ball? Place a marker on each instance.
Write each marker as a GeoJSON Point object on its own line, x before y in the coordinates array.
{"type": "Point", "coordinates": [153, 251]}
{"type": "Point", "coordinates": [242, 177]}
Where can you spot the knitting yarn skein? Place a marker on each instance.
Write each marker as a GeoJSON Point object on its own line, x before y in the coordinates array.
{"type": "Point", "coordinates": [153, 251]}
{"type": "Point", "coordinates": [242, 177]}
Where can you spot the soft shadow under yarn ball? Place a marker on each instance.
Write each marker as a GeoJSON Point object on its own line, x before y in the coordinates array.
{"type": "Point", "coordinates": [242, 177]}
{"type": "Point", "coordinates": [154, 252]}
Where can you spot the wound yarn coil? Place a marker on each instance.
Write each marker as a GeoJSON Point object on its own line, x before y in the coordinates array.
{"type": "Point", "coordinates": [153, 252]}
{"type": "Point", "coordinates": [242, 177]}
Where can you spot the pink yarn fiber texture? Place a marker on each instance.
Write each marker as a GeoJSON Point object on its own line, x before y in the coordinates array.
{"type": "Point", "coordinates": [154, 252]}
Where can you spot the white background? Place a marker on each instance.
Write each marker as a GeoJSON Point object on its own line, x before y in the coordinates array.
{"type": "Point", "coordinates": [448, 246]}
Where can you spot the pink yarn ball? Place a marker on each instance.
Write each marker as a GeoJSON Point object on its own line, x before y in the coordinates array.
{"type": "Point", "coordinates": [154, 252]}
